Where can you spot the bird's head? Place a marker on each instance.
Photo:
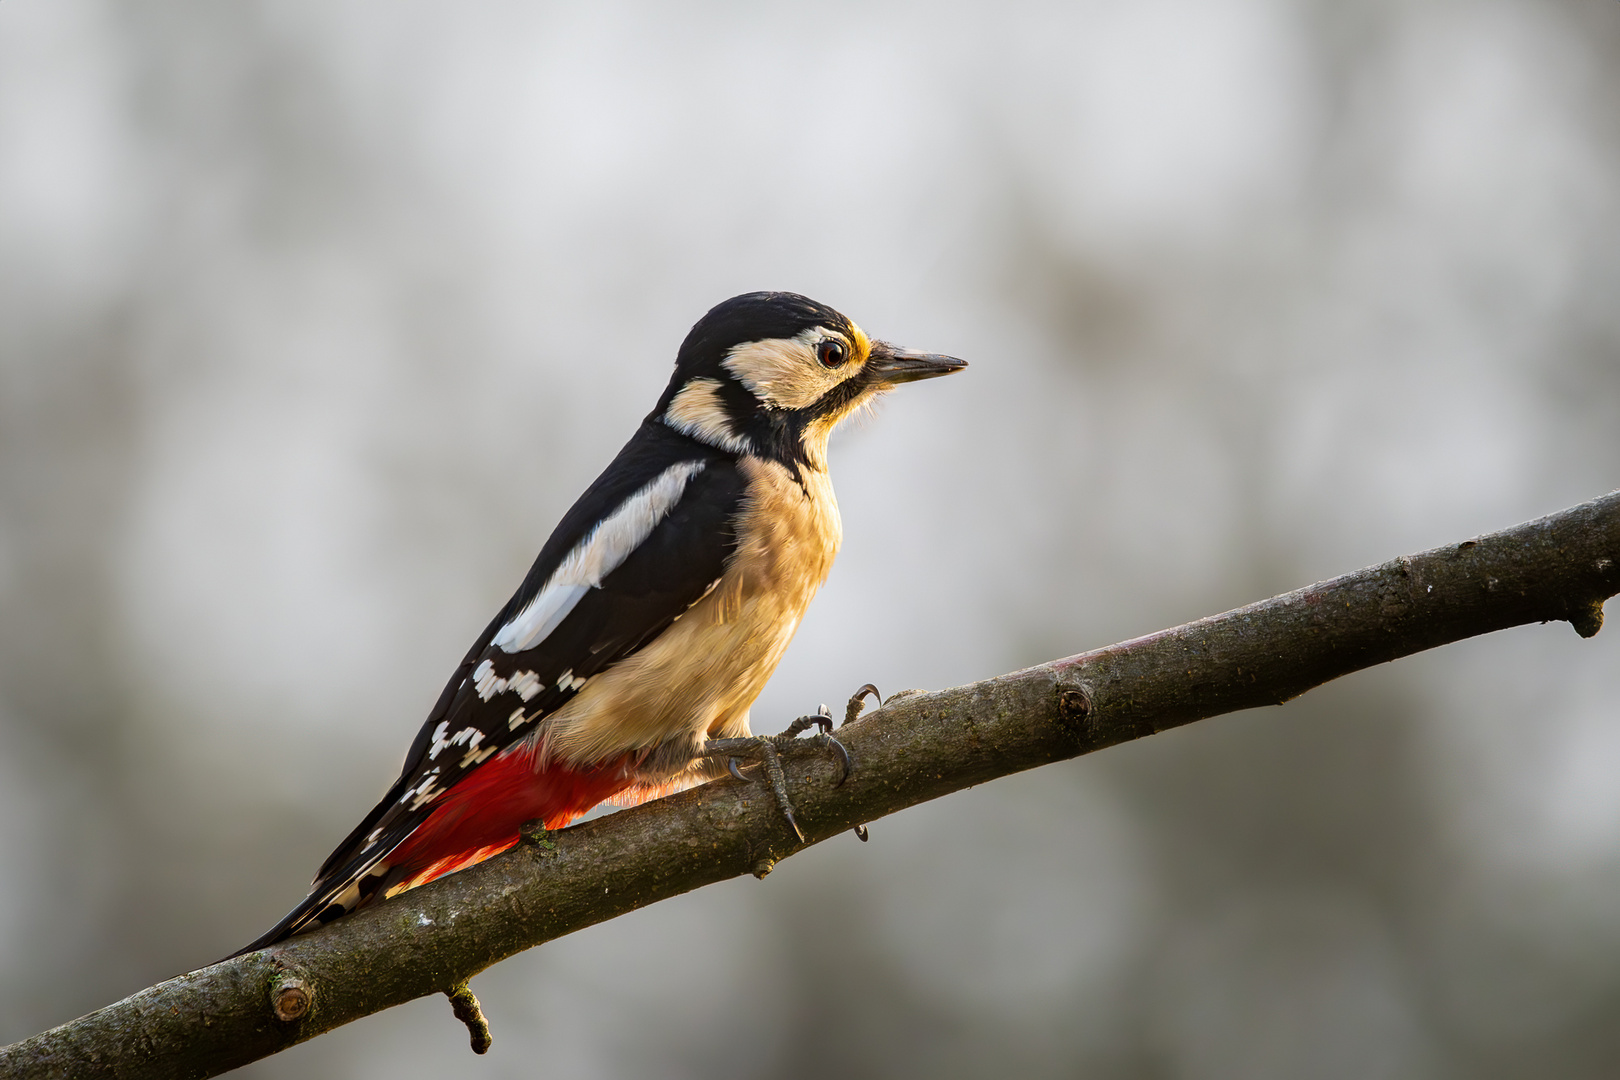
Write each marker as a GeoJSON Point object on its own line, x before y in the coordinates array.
{"type": "Point", "coordinates": [773, 372]}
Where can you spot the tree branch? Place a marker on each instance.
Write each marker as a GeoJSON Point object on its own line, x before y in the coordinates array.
{"type": "Point", "coordinates": [918, 746]}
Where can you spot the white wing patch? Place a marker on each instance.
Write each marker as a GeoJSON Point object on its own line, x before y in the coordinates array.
{"type": "Point", "coordinates": [602, 551]}
{"type": "Point", "coordinates": [545, 612]}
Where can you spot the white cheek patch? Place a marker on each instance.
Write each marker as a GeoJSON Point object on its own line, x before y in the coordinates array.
{"type": "Point", "coordinates": [784, 373]}
{"type": "Point", "coordinates": [698, 411]}
{"type": "Point", "coordinates": [602, 551]}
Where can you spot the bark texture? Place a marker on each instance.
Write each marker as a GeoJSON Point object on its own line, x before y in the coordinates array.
{"type": "Point", "coordinates": [918, 746]}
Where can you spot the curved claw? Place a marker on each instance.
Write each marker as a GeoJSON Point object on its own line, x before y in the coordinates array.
{"type": "Point", "coordinates": [843, 758]}
{"type": "Point", "coordinates": [731, 767]}
{"type": "Point", "coordinates": [821, 718]}
{"type": "Point", "coordinates": [857, 701]}
{"type": "Point", "coordinates": [787, 812]}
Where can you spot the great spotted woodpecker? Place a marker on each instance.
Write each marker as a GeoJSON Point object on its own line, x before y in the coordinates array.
{"type": "Point", "coordinates": [625, 664]}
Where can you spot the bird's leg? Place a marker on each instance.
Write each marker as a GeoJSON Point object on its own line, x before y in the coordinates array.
{"type": "Point", "coordinates": [763, 750]}
{"type": "Point", "coordinates": [767, 750]}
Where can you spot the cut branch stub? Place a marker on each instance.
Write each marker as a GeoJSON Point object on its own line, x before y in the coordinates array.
{"type": "Point", "coordinates": [1074, 708]}
{"type": "Point", "coordinates": [291, 1000]}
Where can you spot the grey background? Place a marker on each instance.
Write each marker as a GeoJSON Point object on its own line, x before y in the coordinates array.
{"type": "Point", "coordinates": [315, 316]}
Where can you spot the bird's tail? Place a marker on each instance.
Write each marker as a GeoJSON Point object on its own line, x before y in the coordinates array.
{"type": "Point", "coordinates": [479, 817]}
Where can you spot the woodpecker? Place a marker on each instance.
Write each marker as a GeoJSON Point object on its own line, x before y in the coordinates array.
{"type": "Point", "coordinates": [626, 662]}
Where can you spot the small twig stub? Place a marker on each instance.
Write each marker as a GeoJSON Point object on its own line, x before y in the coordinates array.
{"type": "Point", "coordinates": [464, 1003]}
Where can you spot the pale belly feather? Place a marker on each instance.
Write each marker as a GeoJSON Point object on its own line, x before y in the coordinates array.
{"type": "Point", "coordinates": [698, 679]}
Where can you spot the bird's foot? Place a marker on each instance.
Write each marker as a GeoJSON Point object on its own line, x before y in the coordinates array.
{"type": "Point", "coordinates": [768, 750]}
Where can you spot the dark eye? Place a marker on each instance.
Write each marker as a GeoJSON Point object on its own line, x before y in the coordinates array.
{"type": "Point", "coordinates": [831, 354]}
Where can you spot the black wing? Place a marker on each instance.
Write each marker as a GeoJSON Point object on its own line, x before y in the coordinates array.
{"type": "Point", "coordinates": [496, 698]}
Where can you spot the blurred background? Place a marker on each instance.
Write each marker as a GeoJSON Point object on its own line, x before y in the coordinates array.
{"type": "Point", "coordinates": [315, 316]}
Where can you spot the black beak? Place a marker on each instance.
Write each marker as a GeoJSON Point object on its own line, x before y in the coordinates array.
{"type": "Point", "coordinates": [893, 365]}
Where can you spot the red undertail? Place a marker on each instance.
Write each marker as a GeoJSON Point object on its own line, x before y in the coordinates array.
{"type": "Point", "coordinates": [481, 816]}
